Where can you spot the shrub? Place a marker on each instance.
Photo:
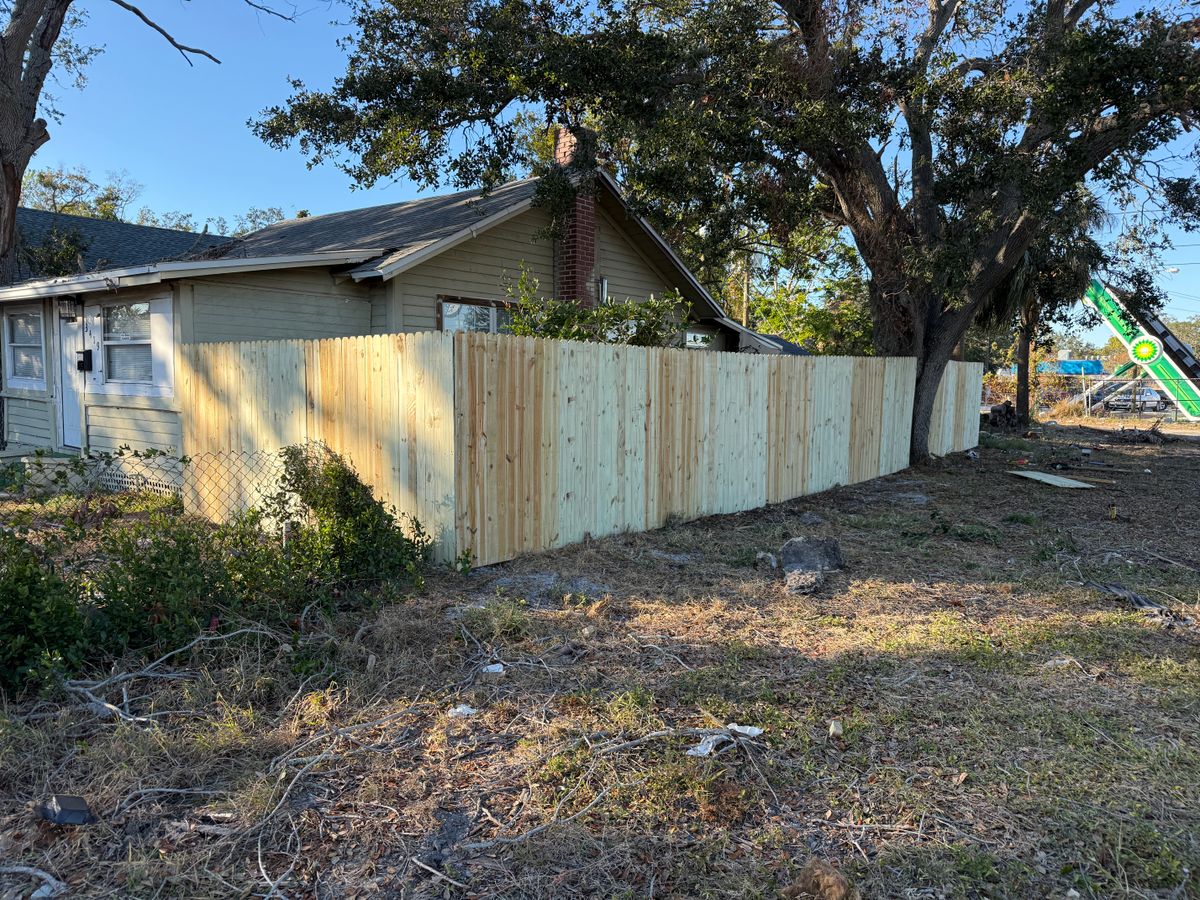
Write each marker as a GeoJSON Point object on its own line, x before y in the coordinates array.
{"type": "Point", "coordinates": [654, 322]}
{"type": "Point", "coordinates": [265, 579]}
{"type": "Point", "coordinates": [163, 582]}
{"type": "Point", "coordinates": [337, 529]}
{"type": "Point", "coordinates": [42, 631]}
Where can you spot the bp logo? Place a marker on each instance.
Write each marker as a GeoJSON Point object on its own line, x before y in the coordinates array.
{"type": "Point", "coordinates": [1146, 349]}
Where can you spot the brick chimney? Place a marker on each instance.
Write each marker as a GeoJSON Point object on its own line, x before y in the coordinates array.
{"type": "Point", "coordinates": [575, 256]}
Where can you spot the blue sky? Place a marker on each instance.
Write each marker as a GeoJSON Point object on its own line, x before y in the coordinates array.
{"type": "Point", "coordinates": [181, 130]}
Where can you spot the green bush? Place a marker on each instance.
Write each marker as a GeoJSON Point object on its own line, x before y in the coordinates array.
{"type": "Point", "coordinates": [268, 583]}
{"type": "Point", "coordinates": [42, 630]}
{"type": "Point", "coordinates": [653, 322]}
{"type": "Point", "coordinates": [164, 581]}
{"type": "Point", "coordinates": [338, 531]}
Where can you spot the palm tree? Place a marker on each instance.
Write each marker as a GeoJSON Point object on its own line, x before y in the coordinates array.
{"type": "Point", "coordinates": [1050, 279]}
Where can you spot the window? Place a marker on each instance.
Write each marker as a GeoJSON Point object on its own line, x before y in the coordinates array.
{"type": "Point", "coordinates": [128, 357]}
{"type": "Point", "coordinates": [132, 348]}
{"type": "Point", "coordinates": [25, 349]}
{"type": "Point", "coordinates": [489, 316]}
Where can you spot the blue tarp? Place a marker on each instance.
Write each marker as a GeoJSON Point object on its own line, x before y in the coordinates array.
{"type": "Point", "coordinates": [1073, 367]}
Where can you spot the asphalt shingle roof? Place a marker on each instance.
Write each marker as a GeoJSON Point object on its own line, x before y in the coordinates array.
{"type": "Point", "coordinates": [400, 228]}
{"type": "Point", "coordinates": [113, 245]}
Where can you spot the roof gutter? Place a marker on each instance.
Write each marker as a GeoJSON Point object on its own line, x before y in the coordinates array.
{"type": "Point", "coordinates": [154, 273]}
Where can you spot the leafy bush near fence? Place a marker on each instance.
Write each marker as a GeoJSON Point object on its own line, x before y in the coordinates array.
{"type": "Point", "coordinates": [339, 531]}
{"type": "Point", "coordinates": [163, 580]}
{"type": "Point", "coordinates": [43, 630]}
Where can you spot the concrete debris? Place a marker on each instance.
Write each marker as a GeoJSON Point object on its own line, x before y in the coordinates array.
{"type": "Point", "coordinates": [675, 559]}
{"type": "Point", "coordinates": [803, 582]}
{"type": "Point", "coordinates": [811, 554]}
{"type": "Point", "coordinates": [719, 738]}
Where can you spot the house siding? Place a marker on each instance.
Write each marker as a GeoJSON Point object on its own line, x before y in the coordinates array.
{"type": "Point", "coordinates": [291, 304]}
{"type": "Point", "coordinates": [478, 268]}
{"type": "Point", "coordinates": [29, 422]}
{"type": "Point", "coordinates": [110, 427]}
{"type": "Point", "coordinates": [629, 274]}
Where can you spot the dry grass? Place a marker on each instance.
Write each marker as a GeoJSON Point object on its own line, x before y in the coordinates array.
{"type": "Point", "coordinates": [1007, 732]}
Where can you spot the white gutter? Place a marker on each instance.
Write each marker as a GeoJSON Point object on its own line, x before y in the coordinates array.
{"type": "Point", "coordinates": [153, 273]}
{"type": "Point", "coordinates": [399, 263]}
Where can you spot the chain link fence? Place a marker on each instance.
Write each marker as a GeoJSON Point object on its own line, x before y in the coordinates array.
{"type": "Point", "coordinates": [215, 486]}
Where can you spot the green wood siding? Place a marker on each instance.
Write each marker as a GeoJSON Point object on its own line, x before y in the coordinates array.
{"type": "Point", "coordinates": [29, 422]}
{"type": "Point", "coordinates": [140, 428]}
{"type": "Point", "coordinates": [291, 304]}
{"type": "Point", "coordinates": [629, 274]}
{"type": "Point", "coordinates": [476, 268]}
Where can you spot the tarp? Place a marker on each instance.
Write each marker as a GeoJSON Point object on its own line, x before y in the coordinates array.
{"type": "Point", "coordinates": [1072, 367]}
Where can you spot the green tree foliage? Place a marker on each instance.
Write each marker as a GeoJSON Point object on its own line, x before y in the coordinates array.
{"type": "Point", "coordinates": [835, 326]}
{"type": "Point", "coordinates": [653, 322]}
{"type": "Point", "coordinates": [42, 628]}
{"type": "Point", "coordinates": [76, 192]}
{"type": "Point", "coordinates": [941, 135]}
{"type": "Point", "coordinates": [1187, 330]}
{"type": "Point", "coordinates": [59, 253]}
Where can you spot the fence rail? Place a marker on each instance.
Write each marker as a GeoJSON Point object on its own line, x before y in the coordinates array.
{"type": "Point", "coordinates": [501, 445]}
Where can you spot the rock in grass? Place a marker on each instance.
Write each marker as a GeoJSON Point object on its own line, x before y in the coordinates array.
{"type": "Point", "coordinates": [811, 554]}
{"type": "Point", "coordinates": [820, 881]}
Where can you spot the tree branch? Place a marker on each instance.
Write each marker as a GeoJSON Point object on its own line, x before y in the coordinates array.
{"type": "Point", "coordinates": [183, 49]}
{"type": "Point", "coordinates": [940, 14]}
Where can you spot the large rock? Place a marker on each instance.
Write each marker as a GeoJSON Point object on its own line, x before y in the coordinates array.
{"type": "Point", "coordinates": [805, 560]}
{"type": "Point", "coordinates": [811, 554]}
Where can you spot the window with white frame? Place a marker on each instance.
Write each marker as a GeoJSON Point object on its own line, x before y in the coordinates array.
{"type": "Point", "coordinates": [132, 346]}
{"type": "Point", "coordinates": [128, 350]}
{"type": "Point", "coordinates": [459, 314]}
{"type": "Point", "coordinates": [25, 348]}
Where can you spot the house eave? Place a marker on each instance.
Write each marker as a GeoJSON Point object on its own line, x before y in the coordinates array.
{"type": "Point", "coordinates": [155, 273]}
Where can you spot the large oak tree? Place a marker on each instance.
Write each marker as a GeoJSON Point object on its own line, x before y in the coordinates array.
{"type": "Point", "coordinates": [940, 134]}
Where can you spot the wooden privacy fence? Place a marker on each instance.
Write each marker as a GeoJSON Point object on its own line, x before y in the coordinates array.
{"type": "Point", "coordinates": [502, 445]}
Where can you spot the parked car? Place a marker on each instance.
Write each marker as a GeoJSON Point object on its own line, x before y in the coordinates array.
{"type": "Point", "coordinates": [1141, 399]}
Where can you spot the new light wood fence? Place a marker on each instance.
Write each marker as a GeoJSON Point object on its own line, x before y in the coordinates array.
{"type": "Point", "coordinates": [502, 445]}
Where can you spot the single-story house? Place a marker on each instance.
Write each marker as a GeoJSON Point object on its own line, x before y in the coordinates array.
{"type": "Point", "coordinates": [89, 360]}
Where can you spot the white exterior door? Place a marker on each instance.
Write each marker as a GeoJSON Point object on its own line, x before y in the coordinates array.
{"type": "Point", "coordinates": [70, 379]}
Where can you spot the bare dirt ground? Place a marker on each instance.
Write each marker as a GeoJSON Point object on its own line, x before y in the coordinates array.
{"type": "Point", "coordinates": [1006, 729]}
